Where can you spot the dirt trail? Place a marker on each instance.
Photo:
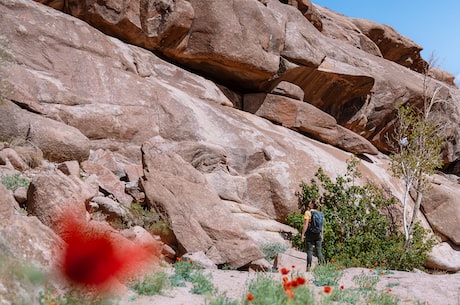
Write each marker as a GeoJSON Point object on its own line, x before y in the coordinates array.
{"type": "Point", "coordinates": [408, 287]}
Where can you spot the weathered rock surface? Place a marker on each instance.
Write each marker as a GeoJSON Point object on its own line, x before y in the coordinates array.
{"type": "Point", "coordinates": [59, 142]}
{"type": "Point", "coordinates": [199, 221]}
{"type": "Point", "coordinates": [52, 194]}
{"type": "Point", "coordinates": [352, 69]}
{"type": "Point", "coordinates": [442, 209]}
{"type": "Point", "coordinates": [223, 177]}
{"type": "Point", "coordinates": [25, 242]}
{"type": "Point", "coordinates": [445, 256]}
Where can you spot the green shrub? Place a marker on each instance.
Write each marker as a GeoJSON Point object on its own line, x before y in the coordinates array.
{"type": "Point", "coordinates": [360, 228]}
{"type": "Point", "coordinates": [271, 250]}
{"type": "Point", "coordinates": [327, 274]}
{"type": "Point", "coordinates": [265, 290]}
{"type": "Point", "coordinates": [12, 182]}
{"type": "Point", "coordinates": [202, 284]}
{"type": "Point", "coordinates": [152, 284]}
{"type": "Point", "coordinates": [296, 221]}
{"type": "Point", "coordinates": [221, 300]}
{"type": "Point", "coordinates": [183, 272]}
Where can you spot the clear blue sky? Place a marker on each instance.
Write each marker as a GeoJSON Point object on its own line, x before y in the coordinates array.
{"type": "Point", "coordinates": [434, 25]}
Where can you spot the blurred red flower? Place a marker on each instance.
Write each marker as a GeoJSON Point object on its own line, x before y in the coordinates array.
{"type": "Point", "coordinates": [327, 289]}
{"type": "Point", "coordinates": [284, 271]}
{"type": "Point", "coordinates": [93, 256]}
{"type": "Point", "coordinates": [301, 281]}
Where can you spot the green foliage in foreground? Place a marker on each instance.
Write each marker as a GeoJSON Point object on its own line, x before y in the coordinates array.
{"type": "Point", "coordinates": [152, 284]}
{"type": "Point", "coordinates": [360, 226]}
{"type": "Point", "coordinates": [14, 181]}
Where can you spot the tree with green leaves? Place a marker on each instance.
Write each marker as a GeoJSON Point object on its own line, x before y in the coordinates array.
{"type": "Point", "coordinates": [417, 142]}
{"type": "Point", "coordinates": [417, 156]}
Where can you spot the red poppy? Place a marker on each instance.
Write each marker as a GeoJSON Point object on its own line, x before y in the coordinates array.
{"type": "Point", "coordinates": [250, 297]}
{"type": "Point", "coordinates": [301, 281]}
{"type": "Point", "coordinates": [327, 289]}
{"type": "Point", "coordinates": [342, 287]}
{"type": "Point", "coordinates": [93, 257]}
{"type": "Point", "coordinates": [285, 271]}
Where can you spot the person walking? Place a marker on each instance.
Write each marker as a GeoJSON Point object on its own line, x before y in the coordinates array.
{"type": "Point", "coordinates": [312, 232]}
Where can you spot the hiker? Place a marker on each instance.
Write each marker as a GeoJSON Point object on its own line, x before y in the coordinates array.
{"type": "Point", "coordinates": [313, 227]}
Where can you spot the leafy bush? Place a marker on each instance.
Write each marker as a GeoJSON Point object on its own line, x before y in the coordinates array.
{"type": "Point", "coordinates": [296, 221]}
{"type": "Point", "coordinates": [265, 290]}
{"type": "Point", "coordinates": [152, 284]}
{"type": "Point", "coordinates": [183, 272]}
{"type": "Point", "coordinates": [270, 250]}
{"type": "Point", "coordinates": [221, 300]}
{"type": "Point", "coordinates": [202, 283]}
{"type": "Point", "coordinates": [360, 228]}
{"type": "Point", "coordinates": [12, 182]}
{"type": "Point", "coordinates": [327, 274]}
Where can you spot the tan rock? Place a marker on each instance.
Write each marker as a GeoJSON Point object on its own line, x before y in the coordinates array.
{"type": "Point", "coordinates": [198, 218]}
{"type": "Point", "coordinates": [70, 168]}
{"type": "Point", "coordinates": [444, 256]}
{"type": "Point", "coordinates": [108, 181]}
{"type": "Point", "coordinates": [9, 156]}
{"type": "Point", "coordinates": [52, 194]}
{"type": "Point", "coordinates": [289, 90]}
{"type": "Point", "coordinates": [441, 208]}
{"type": "Point", "coordinates": [20, 194]}
{"type": "Point", "coordinates": [58, 141]}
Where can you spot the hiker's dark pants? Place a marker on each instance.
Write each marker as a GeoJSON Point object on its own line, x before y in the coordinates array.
{"type": "Point", "coordinates": [317, 244]}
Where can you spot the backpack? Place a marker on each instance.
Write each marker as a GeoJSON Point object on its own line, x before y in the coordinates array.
{"type": "Point", "coordinates": [317, 220]}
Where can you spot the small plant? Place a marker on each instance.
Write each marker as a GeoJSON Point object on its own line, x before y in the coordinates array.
{"type": "Point", "coordinates": [265, 290]}
{"type": "Point", "coordinates": [227, 267]}
{"type": "Point", "coordinates": [327, 274]}
{"type": "Point", "coordinates": [14, 181]}
{"type": "Point", "coordinates": [381, 298]}
{"type": "Point", "coordinates": [152, 284]}
{"type": "Point", "coordinates": [366, 282]}
{"type": "Point", "coordinates": [202, 283]}
{"type": "Point", "coordinates": [183, 272]}
{"type": "Point", "coordinates": [221, 300]}
{"type": "Point", "coordinates": [52, 296]}
{"type": "Point", "coordinates": [344, 296]}
{"type": "Point", "coordinates": [271, 250]}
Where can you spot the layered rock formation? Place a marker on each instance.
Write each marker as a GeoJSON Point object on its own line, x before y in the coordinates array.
{"type": "Point", "coordinates": [266, 93]}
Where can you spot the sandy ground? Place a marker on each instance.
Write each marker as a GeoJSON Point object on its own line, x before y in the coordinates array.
{"type": "Point", "coordinates": [408, 287]}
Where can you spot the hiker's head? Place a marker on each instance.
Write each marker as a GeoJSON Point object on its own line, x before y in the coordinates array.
{"type": "Point", "coordinates": [314, 204]}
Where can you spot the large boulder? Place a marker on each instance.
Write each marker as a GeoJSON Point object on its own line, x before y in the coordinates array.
{"type": "Point", "coordinates": [58, 142]}
{"type": "Point", "coordinates": [441, 208]}
{"type": "Point", "coordinates": [444, 256]}
{"type": "Point", "coordinates": [25, 244]}
{"type": "Point", "coordinates": [52, 195]}
{"type": "Point", "coordinates": [308, 119]}
{"type": "Point", "coordinates": [195, 212]}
